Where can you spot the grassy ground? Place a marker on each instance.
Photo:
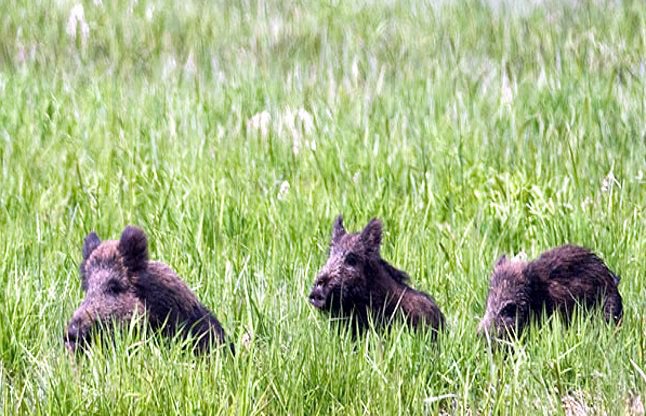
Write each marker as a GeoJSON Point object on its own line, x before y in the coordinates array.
{"type": "Point", "coordinates": [234, 134]}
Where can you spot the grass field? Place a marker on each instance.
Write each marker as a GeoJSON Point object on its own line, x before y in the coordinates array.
{"type": "Point", "coordinates": [234, 134]}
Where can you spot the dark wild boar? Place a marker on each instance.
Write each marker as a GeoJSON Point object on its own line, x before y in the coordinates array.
{"type": "Point", "coordinates": [120, 282]}
{"type": "Point", "coordinates": [356, 282]}
{"type": "Point", "coordinates": [557, 281]}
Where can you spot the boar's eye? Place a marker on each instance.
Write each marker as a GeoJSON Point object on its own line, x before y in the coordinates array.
{"type": "Point", "coordinates": [115, 287]}
{"type": "Point", "coordinates": [509, 311]}
{"type": "Point", "coordinates": [351, 259]}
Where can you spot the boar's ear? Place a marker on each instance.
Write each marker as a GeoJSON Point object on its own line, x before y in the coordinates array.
{"type": "Point", "coordinates": [371, 235]}
{"type": "Point", "coordinates": [501, 260]}
{"type": "Point", "coordinates": [90, 244]}
{"type": "Point", "coordinates": [337, 229]}
{"type": "Point", "coordinates": [133, 246]}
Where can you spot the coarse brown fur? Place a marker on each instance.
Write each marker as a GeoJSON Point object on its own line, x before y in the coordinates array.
{"type": "Point", "coordinates": [356, 282]}
{"type": "Point", "coordinates": [120, 282]}
{"type": "Point", "coordinates": [557, 281]}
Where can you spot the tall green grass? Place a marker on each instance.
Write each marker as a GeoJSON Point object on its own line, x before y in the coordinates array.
{"type": "Point", "coordinates": [471, 129]}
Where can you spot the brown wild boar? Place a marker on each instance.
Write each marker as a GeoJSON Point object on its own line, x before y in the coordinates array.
{"type": "Point", "coordinates": [557, 281]}
{"type": "Point", "coordinates": [120, 282]}
{"type": "Point", "coordinates": [356, 282]}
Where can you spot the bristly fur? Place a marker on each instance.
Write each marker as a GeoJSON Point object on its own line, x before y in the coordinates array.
{"type": "Point", "coordinates": [357, 282]}
{"type": "Point", "coordinates": [396, 274]}
{"type": "Point", "coordinates": [90, 244]}
{"type": "Point", "coordinates": [119, 282]}
{"type": "Point", "coordinates": [557, 281]}
{"type": "Point", "coordinates": [133, 247]}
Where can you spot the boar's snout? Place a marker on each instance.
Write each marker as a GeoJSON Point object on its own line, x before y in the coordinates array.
{"type": "Point", "coordinates": [75, 334]}
{"type": "Point", "coordinates": [484, 328]}
{"type": "Point", "coordinates": [318, 295]}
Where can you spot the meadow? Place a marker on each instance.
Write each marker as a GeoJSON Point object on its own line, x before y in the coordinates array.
{"type": "Point", "coordinates": [235, 132]}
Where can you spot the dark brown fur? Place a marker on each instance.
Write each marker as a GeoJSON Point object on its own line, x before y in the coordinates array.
{"type": "Point", "coordinates": [556, 281]}
{"type": "Point", "coordinates": [356, 282]}
{"type": "Point", "coordinates": [120, 282]}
